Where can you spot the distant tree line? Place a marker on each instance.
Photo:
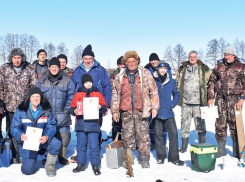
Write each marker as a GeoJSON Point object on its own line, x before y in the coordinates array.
{"type": "Point", "coordinates": [214, 52]}
{"type": "Point", "coordinates": [30, 45]}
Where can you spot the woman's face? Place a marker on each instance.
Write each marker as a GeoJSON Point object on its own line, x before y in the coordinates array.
{"type": "Point", "coordinates": [35, 100]}
{"type": "Point", "coordinates": [162, 71]}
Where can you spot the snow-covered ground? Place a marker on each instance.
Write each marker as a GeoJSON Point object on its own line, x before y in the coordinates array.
{"type": "Point", "coordinates": [165, 172]}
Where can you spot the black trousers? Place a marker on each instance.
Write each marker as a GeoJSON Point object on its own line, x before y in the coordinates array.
{"type": "Point", "coordinates": [171, 128]}
{"type": "Point", "coordinates": [116, 127]}
{"type": "Point", "coordinates": [15, 144]}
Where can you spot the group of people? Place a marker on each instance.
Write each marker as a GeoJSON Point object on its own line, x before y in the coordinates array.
{"type": "Point", "coordinates": [44, 95]}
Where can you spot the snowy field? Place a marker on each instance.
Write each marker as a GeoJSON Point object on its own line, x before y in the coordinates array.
{"type": "Point", "coordinates": [166, 172]}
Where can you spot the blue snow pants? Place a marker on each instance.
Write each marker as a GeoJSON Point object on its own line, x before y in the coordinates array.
{"type": "Point", "coordinates": [30, 157]}
{"type": "Point", "coordinates": [94, 152]}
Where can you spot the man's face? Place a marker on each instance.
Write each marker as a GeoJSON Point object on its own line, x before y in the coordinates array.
{"type": "Point", "coordinates": [193, 59]}
{"type": "Point", "coordinates": [42, 56]}
{"type": "Point", "coordinates": [132, 64]}
{"type": "Point", "coordinates": [162, 71]}
{"type": "Point", "coordinates": [88, 61]}
{"type": "Point", "coordinates": [17, 61]}
{"type": "Point", "coordinates": [62, 63]}
{"type": "Point", "coordinates": [35, 100]}
{"type": "Point", "coordinates": [54, 69]}
{"type": "Point", "coordinates": [154, 63]}
{"type": "Point", "coordinates": [120, 66]}
{"type": "Point", "coordinates": [229, 58]}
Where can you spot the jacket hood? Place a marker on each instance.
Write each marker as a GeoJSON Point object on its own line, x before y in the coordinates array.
{"type": "Point", "coordinates": [96, 63]}
{"type": "Point", "coordinates": [45, 105]}
{"type": "Point", "coordinates": [147, 66]}
{"type": "Point", "coordinates": [199, 62]}
{"type": "Point", "coordinates": [155, 74]}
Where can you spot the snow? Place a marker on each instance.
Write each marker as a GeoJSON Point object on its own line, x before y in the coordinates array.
{"type": "Point", "coordinates": [166, 172]}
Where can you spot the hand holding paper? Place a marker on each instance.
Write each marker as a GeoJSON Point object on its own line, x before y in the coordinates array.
{"type": "Point", "coordinates": [209, 112]}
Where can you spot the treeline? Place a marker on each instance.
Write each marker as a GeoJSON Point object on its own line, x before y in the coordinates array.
{"type": "Point", "coordinates": [213, 53]}
{"type": "Point", "coordinates": [30, 45]}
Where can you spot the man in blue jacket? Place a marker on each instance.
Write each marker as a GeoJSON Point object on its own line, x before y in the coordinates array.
{"type": "Point", "coordinates": [58, 88]}
{"type": "Point", "coordinates": [152, 67]}
{"type": "Point", "coordinates": [165, 117]}
{"type": "Point", "coordinates": [35, 111]}
{"type": "Point", "coordinates": [100, 77]}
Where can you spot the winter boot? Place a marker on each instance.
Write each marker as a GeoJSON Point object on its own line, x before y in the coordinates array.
{"type": "Point", "coordinates": [160, 161]}
{"type": "Point", "coordinates": [62, 156]}
{"type": "Point", "coordinates": [221, 150]}
{"type": "Point", "coordinates": [202, 137]}
{"type": "Point", "coordinates": [236, 149]}
{"type": "Point", "coordinates": [178, 163]}
{"type": "Point", "coordinates": [183, 149]}
{"type": "Point", "coordinates": [96, 170]}
{"type": "Point", "coordinates": [15, 152]}
{"type": "Point", "coordinates": [50, 165]}
{"type": "Point", "coordinates": [73, 159]}
{"type": "Point", "coordinates": [130, 153]}
{"type": "Point", "coordinates": [145, 164]}
{"type": "Point", "coordinates": [79, 168]}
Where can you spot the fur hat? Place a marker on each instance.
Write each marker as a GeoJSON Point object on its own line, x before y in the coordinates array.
{"type": "Point", "coordinates": [86, 78]}
{"type": "Point", "coordinates": [62, 56]}
{"type": "Point", "coordinates": [130, 54]}
{"type": "Point", "coordinates": [230, 50]}
{"type": "Point", "coordinates": [88, 51]}
{"type": "Point", "coordinates": [54, 61]}
{"type": "Point", "coordinates": [153, 56]}
{"type": "Point", "coordinates": [119, 61]}
{"type": "Point", "coordinates": [41, 50]}
{"type": "Point", "coordinates": [15, 52]}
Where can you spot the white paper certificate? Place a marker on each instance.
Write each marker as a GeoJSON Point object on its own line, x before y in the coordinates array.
{"type": "Point", "coordinates": [207, 112]}
{"type": "Point", "coordinates": [33, 135]}
{"type": "Point", "coordinates": [90, 108]}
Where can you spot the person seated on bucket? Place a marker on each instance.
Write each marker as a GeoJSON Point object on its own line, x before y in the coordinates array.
{"type": "Point", "coordinates": [36, 111]}
{"type": "Point", "coordinates": [87, 130]}
{"type": "Point", "coordinates": [165, 117]}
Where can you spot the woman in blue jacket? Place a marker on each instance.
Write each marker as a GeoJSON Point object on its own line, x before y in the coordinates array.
{"type": "Point", "coordinates": [35, 111]}
{"type": "Point", "coordinates": [165, 117]}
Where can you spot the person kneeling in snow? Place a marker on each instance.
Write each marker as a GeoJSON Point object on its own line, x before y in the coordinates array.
{"type": "Point", "coordinates": [35, 111]}
{"type": "Point", "coordinates": [165, 117]}
{"type": "Point", "coordinates": [87, 130]}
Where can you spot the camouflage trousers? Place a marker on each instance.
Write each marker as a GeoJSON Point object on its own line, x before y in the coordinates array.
{"type": "Point", "coordinates": [226, 116]}
{"type": "Point", "coordinates": [135, 127]}
{"type": "Point", "coordinates": [189, 111]}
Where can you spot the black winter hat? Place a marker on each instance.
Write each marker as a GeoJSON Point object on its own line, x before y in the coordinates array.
{"type": "Point", "coordinates": [88, 51]}
{"type": "Point", "coordinates": [54, 61]}
{"type": "Point", "coordinates": [87, 78]}
{"type": "Point", "coordinates": [62, 56]}
{"type": "Point", "coordinates": [153, 56]}
{"type": "Point", "coordinates": [41, 50]}
{"type": "Point", "coordinates": [119, 61]}
{"type": "Point", "coordinates": [34, 90]}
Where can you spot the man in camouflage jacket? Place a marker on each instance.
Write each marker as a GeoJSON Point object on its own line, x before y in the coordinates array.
{"type": "Point", "coordinates": [192, 79]}
{"type": "Point", "coordinates": [227, 81]}
{"type": "Point", "coordinates": [16, 78]}
{"type": "Point", "coordinates": [135, 95]}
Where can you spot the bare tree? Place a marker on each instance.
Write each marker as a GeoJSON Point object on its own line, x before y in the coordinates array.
{"type": "Point", "coordinates": [62, 49]}
{"type": "Point", "coordinates": [8, 41]}
{"type": "Point", "coordinates": [50, 49]}
{"type": "Point", "coordinates": [3, 56]}
{"type": "Point", "coordinates": [33, 45]}
{"type": "Point", "coordinates": [222, 45]}
{"type": "Point", "coordinates": [212, 52]}
{"type": "Point", "coordinates": [180, 54]}
{"type": "Point", "coordinates": [236, 45]}
{"type": "Point", "coordinates": [169, 57]}
{"type": "Point", "coordinates": [200, 55]}
{"type": "Point", "coordinates": [77, 56]}
{"type": "Point", "coordinates": [242, 49]}
{"type": "Point", "coordinates": [24, 43]}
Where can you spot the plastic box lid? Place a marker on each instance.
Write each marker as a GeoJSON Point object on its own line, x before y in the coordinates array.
{"type": "Point", "coordinates": [204, 148]}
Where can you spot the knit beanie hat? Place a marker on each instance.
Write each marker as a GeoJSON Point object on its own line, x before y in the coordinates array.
{"type": "Point", "coordinates": [153, 56]}
{"type": "Point", "coordinates": [54, 61]}
{"type": "Point", "coordinates": [41, 50]}
{"type": "Point", "coordinates": [62, 56]}
{"type": "Point", "coordinates": [162, 64]}
{"type": "Point", "coordinates": [34, 90]}
{"type": "Point", "coordinates": [119, 61]}
{"type": "Point", "coordinates": [230, 50]}
{"type": "Point", "coordinates": [86, 78]}
{"type": "Point", "coordinates": [88, 51]}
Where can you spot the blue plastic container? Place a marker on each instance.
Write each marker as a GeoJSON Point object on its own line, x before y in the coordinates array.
{"type": "Point", "coordinates": [5, 152]}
